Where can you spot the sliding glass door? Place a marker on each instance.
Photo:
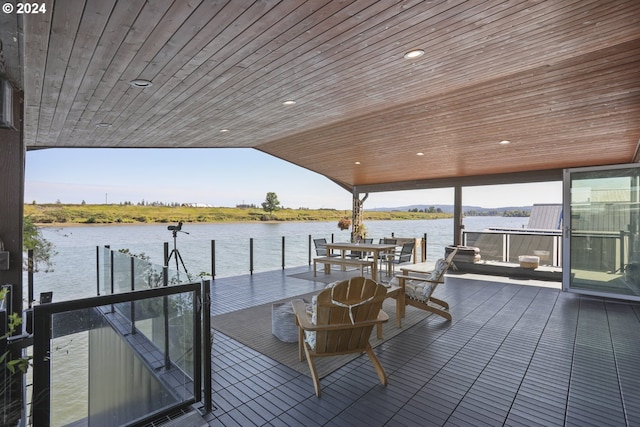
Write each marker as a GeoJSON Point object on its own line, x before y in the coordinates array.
{"type": "Point", "coordinates": [601, 240]}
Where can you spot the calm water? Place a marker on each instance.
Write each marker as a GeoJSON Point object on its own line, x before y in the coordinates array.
{"type": "Point", "coordinates": [74, 274]}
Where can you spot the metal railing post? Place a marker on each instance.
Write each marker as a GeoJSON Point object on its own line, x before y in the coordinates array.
{"type": "Point", "coordinates": [166, 253]}
{"type": "Point", "coordinates": [133, 288]}
{"type": "Point", "coordinates": [505, 247]}
{"type": "Point", "coordinates": [196, 331]}
{"type": "Point", "coordinates": [97, 272]}
{"type": "Point", "coordinates": [213, 259]}
{"type": "Point", "coordinates": [165, 314]}
{"type": "Point", "coordinates": [309, 249]}
{"type": "Point", "coordinates": [283, 252]}
{"type": "Point", "coordinates": [424, 247]}
{"type": "Point", "coordinates": [111, 272]}
{"type": "Point", "coordinates": [41, 407]}
{"type": "Point", "coordinates": [207, 342]}
{"type": "Point", "coordinates": [251, 255]}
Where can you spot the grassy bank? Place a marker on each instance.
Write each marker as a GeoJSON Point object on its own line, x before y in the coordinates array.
{"type": "Point", "coordinates": [132, 214]}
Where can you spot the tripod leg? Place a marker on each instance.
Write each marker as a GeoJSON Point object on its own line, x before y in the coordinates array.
{"type": "Point", "coordinates": [173, 254]}
{"type": "Point", "coordinates": [182, 262]}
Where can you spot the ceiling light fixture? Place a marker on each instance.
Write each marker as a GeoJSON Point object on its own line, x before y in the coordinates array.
{"type": "Point", "coordinates": [505, 142]}
{"type": "Point", "coordinates": [420, 154]}
{"type": "Point", "coordinates": [103, 125]}
{"type": "Point", "coordinates": [356, 163]}
{"type": "Point", "coordinates": [289, 102]}
{"type": "Point", "coordinates": [412, 54]}
{"type": "Point", "coordinates": [224, 130]}
{"type": "Point", "coordinates": [140, 83]}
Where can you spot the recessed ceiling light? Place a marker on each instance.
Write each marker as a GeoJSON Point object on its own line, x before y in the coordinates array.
{"type": "Point", "coordinates": [356, 163]}
{"type": "Point", "coordinates": [416, 53]}
{"type": "Point", "coordinates": [103, 125]}
{"type": "Point", "coordinates": [505, 142]}
{"type": "Point", "coordinates": [224, 130]}
{"type": "Point", "coordinates": [289, 102]}
{"type": "Point", "coordinates": [419, 154]}
{"type": "Point", "coordinates": [141, 83]}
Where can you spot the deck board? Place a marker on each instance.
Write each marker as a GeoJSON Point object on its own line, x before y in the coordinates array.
{"type": "Point", "coordinates": [513, 355]}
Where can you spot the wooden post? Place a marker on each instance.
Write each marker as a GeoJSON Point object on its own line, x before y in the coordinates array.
{"type": "Point", "coordinates": [357, 226]}
{"type": "Point", "coordinates": [457, 216]}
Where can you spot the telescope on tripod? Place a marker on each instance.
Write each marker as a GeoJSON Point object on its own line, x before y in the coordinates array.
{"type": "Point", "coordinates": [175, 253]}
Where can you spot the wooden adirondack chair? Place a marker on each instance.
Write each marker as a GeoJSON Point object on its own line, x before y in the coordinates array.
{"type": "Point", "coordinates": [419, 288]}
{"type": "Point", "coordinates": [341, 323]}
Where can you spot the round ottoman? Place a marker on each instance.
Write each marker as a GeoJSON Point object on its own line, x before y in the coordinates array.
{"type": "Point", "coordinates": [283, 322]}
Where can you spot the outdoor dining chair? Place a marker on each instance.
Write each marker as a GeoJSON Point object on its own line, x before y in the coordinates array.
{"type": "Point", "coordinates": [359, 254]}
{"type": "Point", "coordinates": [321, 247]}
{"type": "Point", "coordinates": [402, 256]}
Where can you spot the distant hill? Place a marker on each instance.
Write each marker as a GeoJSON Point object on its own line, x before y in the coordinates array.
{"type": "Point", "coordinates": [449, 208]}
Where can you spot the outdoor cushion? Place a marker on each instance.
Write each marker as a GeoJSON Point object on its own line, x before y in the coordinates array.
{"type": "Point", "coordinates": [310, 336]}
{"type": "Point", "coordinates": [420, 290]}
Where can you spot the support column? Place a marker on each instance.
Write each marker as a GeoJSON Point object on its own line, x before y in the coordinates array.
{"type": "Point", "coordinates": [458, 226]}
{"type": "Point", "coordinates": [12, 159]}
{"type": "Point", "coordinates": [357, 224]}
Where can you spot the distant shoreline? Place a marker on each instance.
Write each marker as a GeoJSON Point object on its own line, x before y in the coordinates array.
{"type": "Point", "coordinates": [64, 215]}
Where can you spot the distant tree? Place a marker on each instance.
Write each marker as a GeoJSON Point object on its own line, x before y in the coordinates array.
{"type": "Point", "coordinates": [83, 203]}
{"type": "Point", "coordinates": [271, 203]}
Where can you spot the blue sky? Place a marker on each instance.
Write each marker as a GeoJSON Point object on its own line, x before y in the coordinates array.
{"type": "Point", "coordinates": [225, 177]}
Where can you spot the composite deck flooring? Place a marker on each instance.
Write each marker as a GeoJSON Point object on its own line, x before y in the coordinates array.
{"type": "Point", "coordinates": [514, 355]}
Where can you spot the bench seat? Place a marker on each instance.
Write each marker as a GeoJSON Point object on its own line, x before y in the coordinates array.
{"type": "Point", "coordinates": [328, 261]}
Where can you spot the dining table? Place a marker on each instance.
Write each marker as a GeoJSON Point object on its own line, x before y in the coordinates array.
{"type": "Point", "coordinates": [374, 248]}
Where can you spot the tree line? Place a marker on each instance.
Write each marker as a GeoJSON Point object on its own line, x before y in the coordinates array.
{"type": "Point", "coordinates": [495, 212]}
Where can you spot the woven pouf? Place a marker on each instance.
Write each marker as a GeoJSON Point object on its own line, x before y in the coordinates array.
{"type": "Point", "coordinates": [283, 322]}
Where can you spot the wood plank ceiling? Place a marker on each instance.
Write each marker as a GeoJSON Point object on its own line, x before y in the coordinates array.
{"type": "Point", "coordinates": [559, 79]}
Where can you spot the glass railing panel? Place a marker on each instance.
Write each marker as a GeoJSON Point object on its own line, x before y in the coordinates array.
{"type": "Point", "coordinates": [122, 274]}
{"type": "Point", "coordinates": [181, 330]}
{"type": "Point", "coordinates": [113, 364]}
{"type": "Point", "coordinates": [104, 270]}
{"type": "Point", "coordinates": [602, 252]}
{"type": "Point", "coordinates": [69, 362]}
{"type": "Point", "coordinates": [528, 244]}
{"type": "Point", "coordinates": [146, 275]}
{"type": "Point", "coordinates": [492, 245]}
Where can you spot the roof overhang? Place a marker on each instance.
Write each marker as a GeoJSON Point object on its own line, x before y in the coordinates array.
{"type": "Point", "coordinates": [559, 80]}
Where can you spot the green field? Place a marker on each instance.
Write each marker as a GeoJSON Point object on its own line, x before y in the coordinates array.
{"type": "Point", "coordinates": [132, 214]}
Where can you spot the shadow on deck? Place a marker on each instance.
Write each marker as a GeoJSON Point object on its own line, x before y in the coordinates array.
{"type": "Point", "coordinates": [514, 354]}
